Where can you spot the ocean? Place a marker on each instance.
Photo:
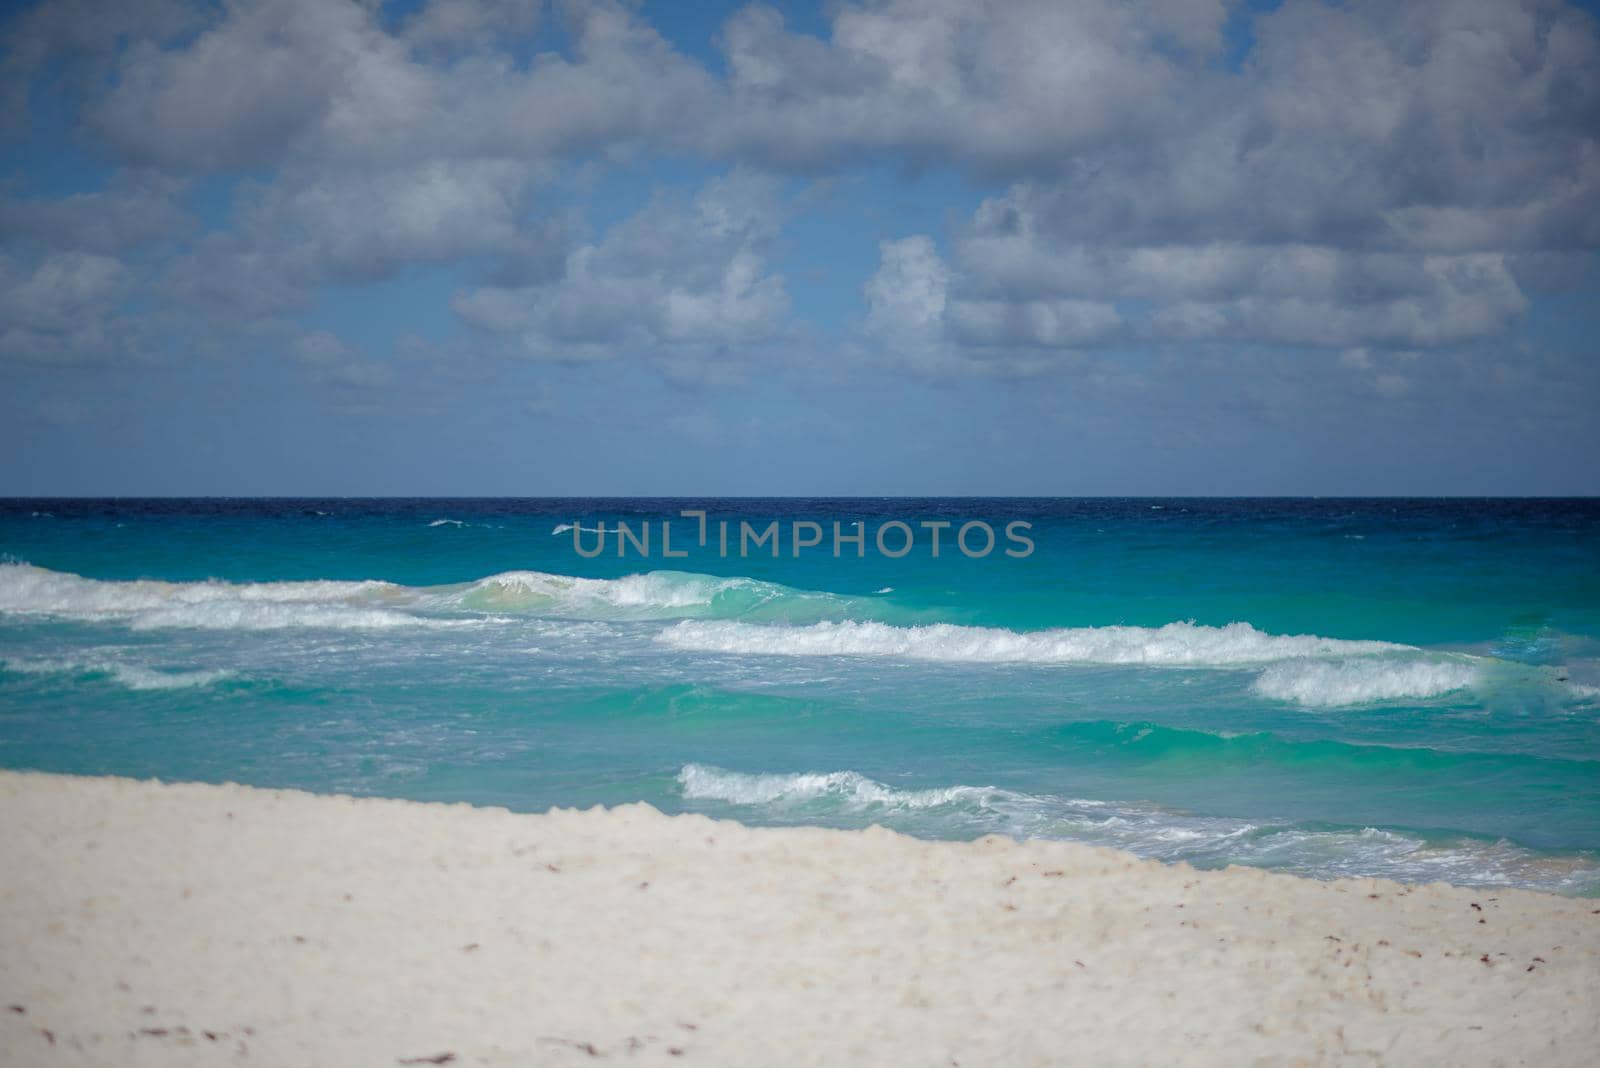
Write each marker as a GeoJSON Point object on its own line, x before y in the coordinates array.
{"type": "Point", "coordinates": [1398, 688]}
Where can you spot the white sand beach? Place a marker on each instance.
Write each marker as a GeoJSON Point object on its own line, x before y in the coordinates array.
{"type": "Point", "coordinates": [143, 923]}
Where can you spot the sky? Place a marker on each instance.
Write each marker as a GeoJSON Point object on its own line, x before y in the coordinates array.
{"type": "Point", "coordinates": [880, 247]}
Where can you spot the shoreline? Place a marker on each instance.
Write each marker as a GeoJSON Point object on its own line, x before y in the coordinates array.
{"type": "Point", "coordinates": [143, 922]}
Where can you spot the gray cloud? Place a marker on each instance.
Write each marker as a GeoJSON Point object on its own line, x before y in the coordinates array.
{"type": "Point", "coordinates": [323, 81]}
{"type": "Point", "coordinates": [136, 208]}
{"type": "Point", "coordinates": [330, 361]}
{"type": "Point", "coordinates": [84, 37]}
{"type": "Point", "coordinates": [62, 310]}
{"type": "Point", "coordinates": [459, 25]}
{"type": "Point", "coordinates": [1371, 176]}
{"type": "Point", "coordinates": [677, 277]}
{"type": "Point", "coordinates": [312, 226]}
{"type": "Point", "coordinates": [366, 223]}
{"type": "Point", "coordinates": [1001, 87]}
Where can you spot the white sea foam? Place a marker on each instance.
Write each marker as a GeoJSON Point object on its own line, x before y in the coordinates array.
{"type": "Point", "coordinates": [1180, 644]}
{"type": "Point", "coordinates": [255, 616]}
{"type": "Point", "coordinates": [646, 595]}
{"type": "Point", "coordinates": [851, 799]}
{"type": "Point", "coordinates": [211, 604]}
{"type": "Point", "coordinates": [566, 528]}
{"type": "Point", "coordinates": [1304, 668]}
{"type": "Point", "coordinates": [707, 783]}
{"type": "Point", "coordinates": [447, 522]}
{"type": "Point", "coordinates": [132, 676]}
{"type": "Point", "coordinates": [1352, 682]}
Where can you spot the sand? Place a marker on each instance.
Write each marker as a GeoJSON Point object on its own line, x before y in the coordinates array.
{"type": "Point", "coordinates": [143, 923]}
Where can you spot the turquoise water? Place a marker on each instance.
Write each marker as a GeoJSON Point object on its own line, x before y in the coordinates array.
{"type": "Point", "coordinates": [1387, 687]}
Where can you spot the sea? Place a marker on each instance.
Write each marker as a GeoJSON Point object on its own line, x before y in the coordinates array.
{"type": "Point", "coordinates": [1330, 687]}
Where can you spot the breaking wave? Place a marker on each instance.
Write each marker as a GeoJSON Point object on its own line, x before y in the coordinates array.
{"type": "Point", "coordinates": [647, 595]}
{"type": "Point", "coordinates": [849, 799]}
{"type": "Point", "coordinates": [1355, 682]}
{"type": "Point", "coordinates": [131, 676]}
{"type": "Point", "coordinates": [1303, 668]}
{"type": "Point", "coordinates": [1183, 644]}
{"type": "Point", "coordinates": [209, 605]}
{"type": "Point", "coordinates": [747, 617]}
{"type": "Point", "coordinates": [373, 604]}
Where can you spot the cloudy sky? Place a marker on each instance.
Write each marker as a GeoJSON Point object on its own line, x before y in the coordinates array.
{"type": "Point", "coordinates": [876, 247]}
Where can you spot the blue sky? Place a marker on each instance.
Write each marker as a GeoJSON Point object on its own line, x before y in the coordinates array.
{"type": "Point", "coordinates": [900, 247]}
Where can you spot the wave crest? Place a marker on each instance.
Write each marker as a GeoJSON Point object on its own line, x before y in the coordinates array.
{"type": "Point", "coordinates": [1181, 644]}
{"type": "Point", "coordinates": [375, 604]}
{"type": "Point", "coordinates": [131, 676]}
{"type": "Point", "coordinates": [1355, 682]}
{"type": "Point", "coordinates": [209, 605]}
{"type": "Point", "coordinates": [849, 799]}
{"type": "Point", "coordinates": [707, 783]}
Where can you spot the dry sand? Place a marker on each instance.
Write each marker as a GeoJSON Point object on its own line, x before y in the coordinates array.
{"type": "Point", "coordinates": [143, 923]}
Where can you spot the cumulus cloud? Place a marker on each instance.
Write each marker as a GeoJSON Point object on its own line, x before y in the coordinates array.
{"type": "Point", "coordinates": [313, 226]}
{"type": "Point", "coordinates": [906, 297]}
{"type": "Point", "coordinates": [1371, 176]}
{"type": "Point", "coordinates": [269, 82]}
{"type": "Point", "coordinates": [1293, 293]}
{"type": "Point", "coordinates": [451, 25]}
{"type": "Point", "coordinates": [82, 37]}
{"type": "Point", "coordinates": [1365, 175]}
{"type": "Point", "coordinates": [1001, 86]}
{"type": "Point", "coordinates": [365, 223]}
{"type": "Point", "coordinates": [677, 276]}
{"type": "Point", "coordinates": [63, 310]}
{"type": "Point", "coordinates": [330, 360]}
{"type": "Point", "coordinates": [365, 146]}
{"type": "Point", "coordinates": [135, 208]}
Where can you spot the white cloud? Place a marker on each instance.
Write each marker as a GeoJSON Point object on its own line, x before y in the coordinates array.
{"type": "Point", "coordinates": [324, 81]}
{"type": "Point", "coordinates": [331, 361]}
{"type": "Point", "coordinates": [135, 208]}
{"type": "Point", "coordinates": [450, 25]}
{"type": "Point", "coordinates": [243, 92]}
{"type": "Point", "coordinates": [906, 297]}
{"type": "Point", "coordinates": [676, 277]}
{"type": "Point", "coordinates": [1372, 175]}
{"type": "Point", "coordinates": [998, 85]}
{"type": "Point", "coordinates": [63, 309]}
{"type": "Point", "coordinates": [368, 222]}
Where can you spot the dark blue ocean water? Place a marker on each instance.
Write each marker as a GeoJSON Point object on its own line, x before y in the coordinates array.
{"type": "Point", "coordinates": [1407, 688]}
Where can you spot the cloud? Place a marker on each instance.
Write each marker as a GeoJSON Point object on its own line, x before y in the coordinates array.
{"type": "Point", "coordinates": [63, 310]}
{"type": "Point", "coordinates": [679, 277]}
{"type": "Point", "coordinates": [314, 226]}
{"type": "Point", "coordinates": [83, 37]}
{"type": "Point", "coordinates": [454, 25]}
{"type": "Point", "coordinates": [1002, 87]}
{"type": "Point", "coordinates": [1370, 176]}
{"type": "Point", "coordinates": [330, 361]}
{"type": "Point", "coordinates": [1018, 290]}
{"type": "Point", "coordinates": [1365, 175]}
{"type": "Point", "coordinates": [136, 208]}
{"type": "Point", "coordinates": [243, 92]}
{"type": "Point", "coordinates": [906, 297]}
{"type": "Point", "coordinates": [272, 82]}
{"type": "Point", "coordinates": [366, 223]}
{"type": "Point", "coordinates": [365, 147]}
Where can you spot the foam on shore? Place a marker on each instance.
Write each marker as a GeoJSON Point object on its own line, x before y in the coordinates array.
{"type": "Point", "coordinates": [147, 923]}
